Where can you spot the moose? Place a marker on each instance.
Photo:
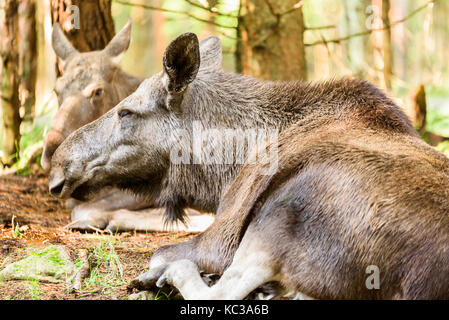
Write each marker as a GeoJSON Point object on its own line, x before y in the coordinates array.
{"type": "Point", "coordinates": [354, 186]}
{"type": "Point", "coordinates": [92, 83]}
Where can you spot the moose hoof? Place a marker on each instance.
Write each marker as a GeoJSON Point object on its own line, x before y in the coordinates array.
{"type": "Point", "coordinates": [85, 218]}
{"type": "Point", "coordinates": [147, 280]}
{"type": "Point", "coordinates": [95, 226]}
{"type": "Point", "coordinates": [176, 272]}
{"type": "Point", "coordinates": [85, 225]}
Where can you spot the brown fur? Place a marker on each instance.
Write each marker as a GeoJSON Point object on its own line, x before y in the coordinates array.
{"type": "Point", "coordinates": [330, 212]}
{"type": "Point", "coordinates": [356, 186]}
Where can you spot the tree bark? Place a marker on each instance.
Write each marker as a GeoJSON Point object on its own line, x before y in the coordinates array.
{"type": "Point", "coordinates": [9, 89]}
{"type": "Point", "coordinates": [271, 41]}
{"type": "Point", "coordinates": [399, 39]}
{"type": "Point", "coordinates": [160, 40]}
{"type": "Point", "coordinates": [27, 58]}
{"type": "Point", "coordinates": [441, 28]}
{"type": "Point", "coordinates": [387, 48]}
{"type": "Point", "coordinates": [96, 26]}
{"type": "Point", "coordinates": [368, 44]}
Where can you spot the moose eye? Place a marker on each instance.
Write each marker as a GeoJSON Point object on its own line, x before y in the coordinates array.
{"type": "Point", "coordinates": [125, 112]}
{"type": "Point", "coordinates": [98, 92]}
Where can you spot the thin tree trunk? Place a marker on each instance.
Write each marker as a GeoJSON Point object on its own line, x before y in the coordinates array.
{"type": "Point", "coordinates": [239, 43]}
{"type": "Point", "coordinates": [9, 89]}
{"type": "Point", "coordinates": [346, 46]}
{"type": "Point", "coordinates": [272, 43]}
{"type": "Point", "coordinates": [160, 40]}
{"type": "Point", "coordinates": [368, 43]}
{"type": "Point", "coordinates": [399, 38]}
{"type": "Point", "coordinates": [377, 41]}
{"type": "Point", "coordinates": [96, 26]}
{"type": "Point", "coordinates": [440, 27]}
{"type": "Point", "coordinates": [387, 48]}
{"type": "Point", "coordinates": [27, 58]}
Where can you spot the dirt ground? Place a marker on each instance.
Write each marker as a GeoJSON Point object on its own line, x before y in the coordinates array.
{"type": "Point", "coordinates": [39, 221]}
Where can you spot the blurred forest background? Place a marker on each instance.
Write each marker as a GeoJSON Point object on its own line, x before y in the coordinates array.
{"type": "Point", "coordinates": [400, 45]}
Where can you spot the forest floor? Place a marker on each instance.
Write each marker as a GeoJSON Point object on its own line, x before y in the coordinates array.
{"type": "Point", "coordinates": [39, 221]}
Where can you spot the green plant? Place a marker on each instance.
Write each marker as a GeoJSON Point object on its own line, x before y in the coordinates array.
{"type": "Point", "coordinates": [161, 294]}
{"type": "Point", "coordinates": [34, 290]}
{"type": "Point", "coordinates": [106, 271]}
{"type": "Point", "coordinates": [15, 228]}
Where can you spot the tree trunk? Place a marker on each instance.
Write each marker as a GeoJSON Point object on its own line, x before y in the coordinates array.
{"type": "Point", "coordinates": [27, 58]}
{"type": "Point", "coordinates": [387, 49]}
{"type": "Point", "coordinates": [368, 70]}
{"type": "Point", "coordinates": [399, 38]}
{"type": "Point", "coordinates": [160, 40]}
{"type": "Point", "coordinates": [271, 44]}
{"type": "Point", "coordinates": [441, 28]}
{"type": "Point", "coordinates": [96, 26]}
{"type": "Point", "coordinates": [9, 89]}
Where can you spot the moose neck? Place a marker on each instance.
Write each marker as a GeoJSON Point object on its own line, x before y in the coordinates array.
{"type": "Point", "coordinates": [226, 101]}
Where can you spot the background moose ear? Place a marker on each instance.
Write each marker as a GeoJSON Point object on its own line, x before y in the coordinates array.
{"type": "Point", "coordinates": [118, 46]}
{"type": "Point", "coordinates": [62, 46]}
{"type": "Point", "coordinates": [181, 62]}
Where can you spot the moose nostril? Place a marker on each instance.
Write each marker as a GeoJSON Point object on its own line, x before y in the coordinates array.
{"type": "Point", "coordinates": [56, 188]}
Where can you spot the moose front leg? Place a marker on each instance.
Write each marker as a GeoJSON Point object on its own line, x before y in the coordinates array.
{"type": "Point", "coordinates": [116, 210]}
{"type": "Point", "coordinates": [251, 268]}
{"type": "Point", "coordinates": [160, 260]}
{"type": "Point", "coordinates": [102, 211]}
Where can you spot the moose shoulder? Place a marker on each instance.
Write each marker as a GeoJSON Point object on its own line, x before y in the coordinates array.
{"type": "Point", "coordinates": [353, 182]}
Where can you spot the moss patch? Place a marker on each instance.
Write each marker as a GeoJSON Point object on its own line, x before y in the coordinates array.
{"type": "Point", "coordinates": [51, 264]}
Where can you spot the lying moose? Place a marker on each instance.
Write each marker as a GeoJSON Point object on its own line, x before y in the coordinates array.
{"type": "Point", "coordinates": [355, 186]}
{"type": "Point", "coordinates": [91, 84]}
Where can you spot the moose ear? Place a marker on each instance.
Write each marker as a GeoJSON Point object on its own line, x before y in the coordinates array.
{"type": "Point", "coordinates": [181, 62]}
{"type": "Point", "coordinates": [118, 46]}
{"type": "Point", "coordinates": [211, 53]}
{"type": "Point", "coordinates": [62, 46]}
